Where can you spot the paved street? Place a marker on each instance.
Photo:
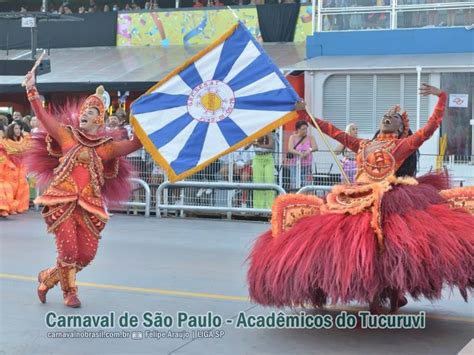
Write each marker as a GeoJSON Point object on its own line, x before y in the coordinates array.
{"type": "Point", "coordinates": [175, 265]}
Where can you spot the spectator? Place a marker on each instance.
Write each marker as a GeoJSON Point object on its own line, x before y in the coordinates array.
{"type": "Point", "coordinates": [123, 123]}
{"type": "Point", "coordinates": [82, 10]}
{"type": "Point", "coordinates": [67, 9]}
{"type": "Point", "coordinates": [26, 123]}
{"type": "Point", "coordinates": [216, 3]}
{"type": "Point", "coordinates": [115, 7]}
{"type": "Point", "coordinates": [263, 170]}
{"type": "Point", "coordinates": [136, 7]}
{"type": "Point", "coordinates": [342, 21]}
{"type": "Point", "coordinates": [34, 125]}
{"type": "Point", "coordinates": [23, 9]}
{"type": "Point", "coordinates": [17, 116]}
{"type": "Point", "coordinates": [348, 157]}
{"type": "Point", "coordinates": [239, 165]}
{"type": "Point", "coordinates": [23, 127]}
{"type": "Point", "coordinates": [92, 6]}
{"type": "Point", "coordinates": [301, 145]}
{"type": "Point", "coordinates": [331, 19]}
{"type": "Point", "coordinates": [127, 7]}
{"type": "Point", "coordinates": [243, 172]}
{"type": "Point", "coordinates": [209, 173]}
{"type": "Point", "coordinates": [432, 15]}
{"type": "Point", "coordinates": [6, 165]}
{"type": "Point", "coordinates": [197, 3]}
{"type": "Point", "coordinates": [112, 122]}
{"type": "Point", "coordinates": [4, 120]}
{"type": "Point", "coordinates": [241, 162]}
{"type": "Point", "coordinates": [14, 144]}
{"type": "Point", "coordinates": [106, 8]}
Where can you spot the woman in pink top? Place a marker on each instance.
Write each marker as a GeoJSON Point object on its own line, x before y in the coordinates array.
{"type": "Point", "coordinates": [301, 145]}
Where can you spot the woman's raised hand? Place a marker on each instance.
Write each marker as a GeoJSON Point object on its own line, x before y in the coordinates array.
{"type": "Point", "coordinates": [300, 105]}
{"type": "Point", "coordinates": [426, 90]}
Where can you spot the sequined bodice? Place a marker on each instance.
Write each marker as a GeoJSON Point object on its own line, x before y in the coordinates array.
{"type": "Point", "coordinates": [375, 161]}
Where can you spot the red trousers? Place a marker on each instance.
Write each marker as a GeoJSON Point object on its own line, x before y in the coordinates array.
{"type": "Point", "coordinates": [77, 237]}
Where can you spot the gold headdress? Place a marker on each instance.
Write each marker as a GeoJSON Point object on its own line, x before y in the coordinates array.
{"type": "Point", "coordinates": [100, 101]}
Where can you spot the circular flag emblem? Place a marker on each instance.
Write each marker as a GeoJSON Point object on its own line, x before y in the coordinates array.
{"type": "Point", "coordinates": [211, 102]}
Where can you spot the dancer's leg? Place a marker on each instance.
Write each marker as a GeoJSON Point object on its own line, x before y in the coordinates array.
{"type": "Point", "coordinates": [66, 247]}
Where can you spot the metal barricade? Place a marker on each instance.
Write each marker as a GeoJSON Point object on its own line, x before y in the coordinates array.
{"type": "Point", "coordinates": [206, 191]}
{"type": "Point", "coordinates": [461, 169]}
{"type": "Point", "coordinates": [228, 208]}
{"type": "Point", "coordinates": [146, 203]}
{"type": "Point", "coordinates": [319, 190]}
{"type": "Point", "coordinates": [345, 15]}
{"type": "Point", "coordinates": [228, 184]}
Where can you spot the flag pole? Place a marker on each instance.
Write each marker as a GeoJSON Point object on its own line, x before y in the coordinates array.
{"type": "Point", "coordinates": [323, 136]}
{"type": "Point", "coordinates": [233, 12]}
{"type": "Point", "coordinates": [35, 66]}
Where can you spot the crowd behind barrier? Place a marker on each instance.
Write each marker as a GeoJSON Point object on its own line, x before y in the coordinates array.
{"type": "Point", "coordinates": [93, 6]}
{"type": "Point", "coordinates": [284, 173]}
{"type": "Point", "coordinates": [237, 169]}
{"type": "Point", "coordinates": [149, 23]}
{"type": "Point", "coordinates": [342, 15]}
{"type": "Point", "coordinates": [226, 184]}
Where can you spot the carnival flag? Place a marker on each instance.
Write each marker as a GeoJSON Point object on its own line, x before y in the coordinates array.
{"type": "Point", "coordinates": [223, 98]}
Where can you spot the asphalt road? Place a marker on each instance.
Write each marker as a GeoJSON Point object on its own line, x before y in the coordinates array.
{"type": "Point", "coordinates": [184, 265]}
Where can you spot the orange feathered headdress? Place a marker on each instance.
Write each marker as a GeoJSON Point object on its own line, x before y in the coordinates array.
{"type": "Point", "coordinates": [395, 110]}
{"type": "Point", "coordinates": [96, 101]}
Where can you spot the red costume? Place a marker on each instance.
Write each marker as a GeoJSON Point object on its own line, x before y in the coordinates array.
{"type": "Point", "coordinates": [14, 188]}
{"type": "Point", "coordinates": [382, 236]}
{"type": "Point", "coordinates": [6, 189]}
{"type": "Point", "coordinates": [83, 172]}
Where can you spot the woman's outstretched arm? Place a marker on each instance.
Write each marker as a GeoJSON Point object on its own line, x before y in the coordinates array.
{"type": "Point", "coordinates": [332, 131]}
{"type": "Point", "coordinates": [413, 142]}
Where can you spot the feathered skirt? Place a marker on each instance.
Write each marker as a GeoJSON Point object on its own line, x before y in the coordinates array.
{"type": "Point", "coordinates": [336, 257]}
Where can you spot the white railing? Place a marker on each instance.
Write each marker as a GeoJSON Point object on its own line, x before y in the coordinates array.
{"type": "Point", "coordinates": [186, 201]}
{"type": "Point", "coordinates": [146, 203]}
{"type": "Point", "coordinates": [229, 186]}
{"type": "Point", "coordinates": [349, 15]}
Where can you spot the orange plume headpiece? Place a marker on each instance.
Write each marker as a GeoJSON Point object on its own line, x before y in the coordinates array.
{"type": "Point", "coordinates": [99, 102]}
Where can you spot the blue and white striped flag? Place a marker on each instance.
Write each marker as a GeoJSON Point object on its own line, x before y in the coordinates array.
{"type": "Point", "coordinates": [223, 98]}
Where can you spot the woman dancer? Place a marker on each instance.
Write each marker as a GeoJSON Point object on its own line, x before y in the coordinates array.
{"type": "Point", "coordinates": [372, 241]}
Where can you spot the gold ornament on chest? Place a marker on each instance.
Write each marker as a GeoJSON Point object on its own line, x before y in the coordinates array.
{"type": "Point", "coordinates": [84, 156]}
{"type": "Point", "coordinates": [377, 160]}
